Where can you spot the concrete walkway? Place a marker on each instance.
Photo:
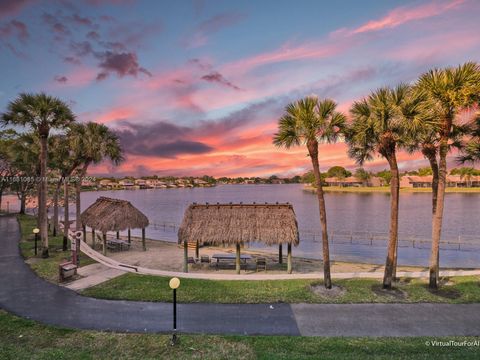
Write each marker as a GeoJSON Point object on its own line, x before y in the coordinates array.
{"type": "Point", "coordinates": [114, 264]}
{"type": "Point", "coordinates": [26, 295]}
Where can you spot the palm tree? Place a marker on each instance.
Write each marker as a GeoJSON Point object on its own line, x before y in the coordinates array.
{"type": "Point", "coordinates": [467, 173]}
{"type": "Point", "coordinates": [449, 91]}
{"type": "Point", "coordinates": [41, 113]}
{"type": "Point", "coordinates": [471, 151]}
{"type": "Point", "coordinates": [424, 137]}
{"type": "Point", "coordinates": [64, 160]}
{"type": "Point", "coordinates": [93, 143]}
{"type": "Point", "coordinates": [311, 121]}
{"type": "Point", "coordinates": [379, 126]}
{"type": "Point", "coordinates": [24, 159]}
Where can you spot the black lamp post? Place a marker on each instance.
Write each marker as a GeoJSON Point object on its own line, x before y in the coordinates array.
{"type": "Point", "coordinates": [36, 231]}
{"type": "Point", "coordinates": [174, 284]}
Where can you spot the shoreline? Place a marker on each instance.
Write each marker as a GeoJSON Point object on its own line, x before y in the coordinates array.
{"type": "Point", "coordinates": [386, 189]}
{"type": "Point", "coordinates": [167, 255]}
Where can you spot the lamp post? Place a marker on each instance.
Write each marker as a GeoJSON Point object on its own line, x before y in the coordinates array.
{"type": "Point", "coordinates": [36, 231]}
{"type": "Point", "coordinates": [174, 284]}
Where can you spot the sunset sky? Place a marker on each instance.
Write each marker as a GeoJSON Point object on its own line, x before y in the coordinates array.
{"type": "Point", "coordinates": [196, 87]}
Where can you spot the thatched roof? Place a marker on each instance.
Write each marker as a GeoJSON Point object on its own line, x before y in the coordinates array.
{"type": "Point", "coordinates": [239, 223]}
{"type": "Point", "coordinates": [107, 214]}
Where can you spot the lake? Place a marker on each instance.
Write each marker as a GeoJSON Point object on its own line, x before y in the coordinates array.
{"type": "Point", "coordinates": [352, 217]}
{"type": "Point", "coordinates": [357, 221]}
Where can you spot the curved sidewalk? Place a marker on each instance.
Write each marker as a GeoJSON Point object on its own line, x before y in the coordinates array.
{"type": "Point", "coordinates": [26, 295]}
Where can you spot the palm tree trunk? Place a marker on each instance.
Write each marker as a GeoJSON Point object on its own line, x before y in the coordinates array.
{"type": "Point", "coordinates": [55, 207]}
{"type": "Point", "coordinates": [23, 200]}
{"type": "Point", "coordinates": [390, 263]}
{"type": "Point", "coordinates": [313, 151]}
{"type": "Point", "coordinates": [438, 216]}
{"type": "Point", "coordinates": [66, 217]}
{"type": "Point", "coordinates": [78, 211]}
{"type": "Point", "coordinates": [42, 205]}
{"type": "Point", "coordinates": [434, 166]}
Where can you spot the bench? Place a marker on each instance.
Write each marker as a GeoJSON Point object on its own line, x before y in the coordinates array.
{"type": "Point", "coordinates": [66, 270]}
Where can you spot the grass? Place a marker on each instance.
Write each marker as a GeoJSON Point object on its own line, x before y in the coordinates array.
{"type": "Point", "coordinates": [45, 268]}
{"type": "Point", "coordinates": [386, 189]}
{"type": "Point", "coordinates": [154, 288]}
{"type": "Point", "coordinates": [26, 339]}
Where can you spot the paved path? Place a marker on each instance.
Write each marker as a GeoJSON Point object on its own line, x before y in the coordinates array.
{"type": "Point", "coordinates": [116, 265]}
{"type": "Point", "coordinates": [24, 294]}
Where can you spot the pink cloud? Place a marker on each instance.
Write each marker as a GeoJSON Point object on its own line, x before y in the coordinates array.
{"type": "Point", "coordinates": [116, 114]}
{"type": "Point", "coordinates": [402, 15]}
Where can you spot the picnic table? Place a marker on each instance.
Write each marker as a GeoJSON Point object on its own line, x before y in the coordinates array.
{"type": "Point", "coordinates": [116, 244]}
{"type": "Point", "coordinates": [230, 257]}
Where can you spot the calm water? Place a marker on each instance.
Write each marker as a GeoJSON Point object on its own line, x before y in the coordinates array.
{"type": "Point", "coordinates": [347, 212]}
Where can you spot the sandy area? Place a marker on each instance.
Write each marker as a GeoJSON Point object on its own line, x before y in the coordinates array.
{"type": "Point", "coordinates": [164, 255]}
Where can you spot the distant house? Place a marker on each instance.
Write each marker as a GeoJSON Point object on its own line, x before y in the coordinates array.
{"type": "Point", "coordinates": [343, 182]}
{"type": "Point", "coordinates": [126, 184]}
{"type": "Point", "coordinates": [200, 182]}
{"type": "Point", "coordinates": [88, 183]}
{"type": "Point", "coordinates": [353, 181]}
{"type": "Point", "coordinates": [155, 184]}
{"type": "Point", "coordinates": [277, 181]}
{"type": "Point", "coordinates": [107, 184]}
{"type": "Point", "coordinates": [141, 183]}
{"type": "Point", "coordinates": [426, 181]}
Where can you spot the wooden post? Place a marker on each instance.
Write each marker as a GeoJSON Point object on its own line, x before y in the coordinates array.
{"type": "Point", "coordinates": [237, 259]}
{"type": "Point", "coordinates": [93, 238]}
{"type": "Point", "coordinates": [280, 254]}
{"type": "Point", "coordinates": [289, 258]}
{"type": "Point", "coordinates": [129, 236]}
{"type": "Point", "coordinates": [118, 234]}
{"type": "Point", "coordinates": [84, 233]}
{"type": "Point", "coordinates": [185, 256]}
{"type": "Point", "coordinates": [143, 240]}
{"type": "Point", "coordinates": [104, 243]}
{"type": "Point", "coordinates": [197, 250]}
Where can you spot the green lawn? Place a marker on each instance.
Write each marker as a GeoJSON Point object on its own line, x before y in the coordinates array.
{"type": "Point", "coordinates": [26, 339]}
{"type": "Point", "coordinates": [154, 288]}
{"type": "Point", "coordinates": [45, 268]}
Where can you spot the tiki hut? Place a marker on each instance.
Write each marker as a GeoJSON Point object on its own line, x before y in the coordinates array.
{"type": "Point", "coordinates": [107, 214]}
{"type": "Point", "coordinates": [218, 224]}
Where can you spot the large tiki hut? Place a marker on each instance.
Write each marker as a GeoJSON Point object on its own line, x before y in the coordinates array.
{"type": "Point", "coordinates": [237, 224]}
{"type": "Point", "coordinates": [107, 214]}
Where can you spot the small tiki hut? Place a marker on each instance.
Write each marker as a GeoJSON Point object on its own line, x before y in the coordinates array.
{"type": "Point", "coordinates": [237, 224]}
{"type": "Point", "coordinates": [107, 214]}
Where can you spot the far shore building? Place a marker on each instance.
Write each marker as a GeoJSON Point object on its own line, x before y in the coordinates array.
{"type": "Point", "coordinates": [412, 181]}
{"type": "Point", "coordinates": [88, 183]}
{"type": "Point", "coordinates": [353, 181]}
{"type": "Point", "coordinates": [126, 184]}
{"type": "Point", "coordinates": [155, 184]}
{"type": "Point", "coordinates": [107, 184]}
{"type": "Point", "coordinates": [141, 183]}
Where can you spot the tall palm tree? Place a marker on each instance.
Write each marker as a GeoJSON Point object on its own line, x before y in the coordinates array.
{"type": "Point", "coordinates": [449, 91]}
{"type": "Point", "coordinates": [379, 126]}
{"type": "Point", "coordinates": [64, 160]}
{"type": "Point", "coordinates": [93, 143]}
{"type": "Point", "coordinates": [424, 137]}
{"type": "Point", "coordinates": [41, 113]}
{"type": "Point", "coordinates": [311, 121]}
